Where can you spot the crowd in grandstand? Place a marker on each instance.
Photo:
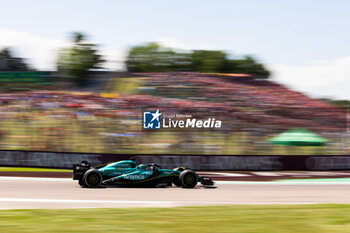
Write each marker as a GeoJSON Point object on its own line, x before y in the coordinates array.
{"type": "Point", "coordinates": [109, 122]}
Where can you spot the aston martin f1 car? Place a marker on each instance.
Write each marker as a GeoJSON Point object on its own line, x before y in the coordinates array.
{"type": "Point", "coordinates": [128, 173]}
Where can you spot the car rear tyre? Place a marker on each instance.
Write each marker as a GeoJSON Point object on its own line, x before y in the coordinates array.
{"type": "Point", "coordinates": [92, 178]}
{"type": "Point", "coordinates": [188, 179]}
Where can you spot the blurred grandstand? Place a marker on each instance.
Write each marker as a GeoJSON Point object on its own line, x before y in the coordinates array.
{"type": "Point", "coordinates": [109, 121]}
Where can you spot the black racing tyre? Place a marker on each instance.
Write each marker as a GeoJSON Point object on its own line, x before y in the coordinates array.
{"type": "Point", "coordinates": [188, 179]}
{"type": "Point", "coordinates": [92, 178]}
{"type": "Point", "coordinates": [176, 180]}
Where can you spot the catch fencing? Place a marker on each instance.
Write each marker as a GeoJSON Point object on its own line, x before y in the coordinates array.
{"type": "Point", "coordinates": [196, 162]}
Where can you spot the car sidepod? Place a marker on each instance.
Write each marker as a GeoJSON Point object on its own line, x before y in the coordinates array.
{"type": "Point", "coordinates": [144, 178]}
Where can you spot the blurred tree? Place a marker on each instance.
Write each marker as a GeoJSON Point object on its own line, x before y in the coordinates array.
{"type": "Point", "coordinates": [77, 60]}
{"type": "Point", "coordinates": [8, 62]}
{"type": "Point", "coordinates": [249, 65]}
{"type": "Point", "coordinates": [154, 58]}
{"type": "Point", "coordinates": [210, 61]}
{"type": "Point", "coordinates": [339, 103]}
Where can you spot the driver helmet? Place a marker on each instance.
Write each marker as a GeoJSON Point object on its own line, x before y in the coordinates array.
{"type": "Point", "coordinates": [141, 167]}
{"type": "Point", "coordinates": [153, 167]}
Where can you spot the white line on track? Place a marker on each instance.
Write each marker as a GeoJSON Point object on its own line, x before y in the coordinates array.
{"type": "Point", "coordinates": [225, 174]}
{"type": "Point", "coordinates": [80, 201]}
{"type": "Point", "coordinates": [286, 182]}
{"type": "Point", "coordinates": [34, 178]}
{"type": "Point", "coordinates": [266, 173]}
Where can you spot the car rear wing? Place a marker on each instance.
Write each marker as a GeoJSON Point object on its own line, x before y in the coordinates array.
{"type": "Point", "coordinates": [79, 169]}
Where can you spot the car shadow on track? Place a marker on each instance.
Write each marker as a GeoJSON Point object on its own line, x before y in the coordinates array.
{"type": "Point", "coordinates": [137, 187]}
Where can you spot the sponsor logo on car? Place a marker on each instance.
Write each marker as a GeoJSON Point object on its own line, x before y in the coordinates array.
{"type": "Point", "coordinates": [135, 177]}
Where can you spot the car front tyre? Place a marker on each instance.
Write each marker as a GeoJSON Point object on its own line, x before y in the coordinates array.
{"type": "Point", "coordinates": [176, 180]}
{"type": "Point", "coordinates": [188, 179]}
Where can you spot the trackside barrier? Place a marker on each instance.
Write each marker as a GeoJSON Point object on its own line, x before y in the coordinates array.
{"type": "Point", "coordinates": [196, 162]}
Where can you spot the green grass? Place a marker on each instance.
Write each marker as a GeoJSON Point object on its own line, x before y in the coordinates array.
{"type": "Point", "coordinates": [238, 219]}
{"type": "Point", "coordinates": [31, 169]}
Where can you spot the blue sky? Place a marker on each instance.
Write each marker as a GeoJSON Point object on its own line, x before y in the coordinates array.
{"type": "Point", "coordinates": [291, 37]}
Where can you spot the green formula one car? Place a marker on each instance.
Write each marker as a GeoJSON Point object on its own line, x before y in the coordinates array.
{"type": "Point", "coordinates": [127, 173]}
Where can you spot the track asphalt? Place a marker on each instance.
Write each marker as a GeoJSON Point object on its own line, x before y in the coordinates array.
{"type": "Point", "coordinates": [58, 193]}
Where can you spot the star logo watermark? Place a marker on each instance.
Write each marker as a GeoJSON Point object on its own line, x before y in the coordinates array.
{"type": "Point", "coordinates": [152, 120]}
